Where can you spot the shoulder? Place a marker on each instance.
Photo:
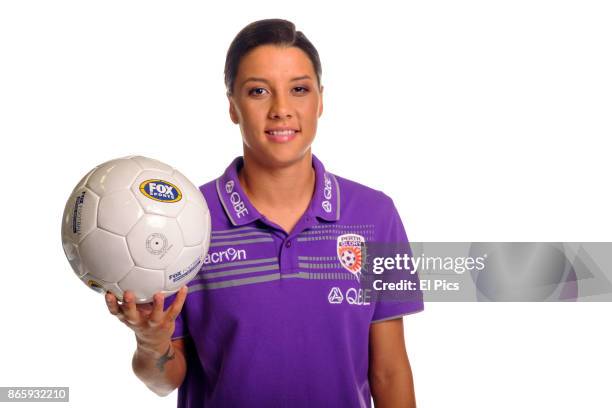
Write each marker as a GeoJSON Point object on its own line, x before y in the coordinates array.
{"type": "Point", "coordinates": [209, 188]}
{"type": "Point", "coordinates": [362, 206]}
{"type": "Point", "coordinates": [367, 198]}
{"type": "Point", "coordinates": [209, 191]}
{"type": "Point", "coordinates": [217, 212]}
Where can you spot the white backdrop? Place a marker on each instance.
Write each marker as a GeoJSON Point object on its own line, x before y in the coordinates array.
{"type": "Point", "coordinates": [483, 120]}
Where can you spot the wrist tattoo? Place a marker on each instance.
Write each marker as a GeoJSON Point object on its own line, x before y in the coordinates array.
{"type": "Point", "coordinates": [161, 362]}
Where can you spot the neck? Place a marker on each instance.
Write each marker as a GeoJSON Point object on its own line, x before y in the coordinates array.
{"type": "Point", "coordinates": [287, 187]}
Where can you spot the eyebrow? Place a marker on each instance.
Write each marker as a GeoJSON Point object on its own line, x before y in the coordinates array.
{"type": "Point", "coordinates": [267, 82]}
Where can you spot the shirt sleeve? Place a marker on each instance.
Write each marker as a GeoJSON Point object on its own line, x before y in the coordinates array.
{"type": "Point", "coordinates": [393, 304]}
{"type": "Point", "coordinates": [180, 329]}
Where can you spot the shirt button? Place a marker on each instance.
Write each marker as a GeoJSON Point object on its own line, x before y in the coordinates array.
{"type": "Point", "coordinates": [288, 244]}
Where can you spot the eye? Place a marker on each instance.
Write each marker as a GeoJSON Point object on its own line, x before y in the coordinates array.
{"type": "Point", "coordinates": [257, 91]}
{"type": "Point", "coordinates": [301, 89]}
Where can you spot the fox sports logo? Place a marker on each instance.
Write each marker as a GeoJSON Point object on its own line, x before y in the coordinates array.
{"type": "Point", "coordinates": [161, 190]}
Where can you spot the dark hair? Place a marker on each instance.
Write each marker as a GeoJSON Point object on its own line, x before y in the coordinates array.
{"type": "Point", "coordinates": [271, 31]}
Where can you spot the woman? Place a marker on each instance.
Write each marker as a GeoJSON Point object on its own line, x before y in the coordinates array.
{"type": "Point", "coordinates": [276, 318]}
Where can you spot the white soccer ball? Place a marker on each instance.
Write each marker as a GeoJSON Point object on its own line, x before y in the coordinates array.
{"type": "Point", "coordinates": [349, 258]}
{"type": "Point", "coordinates": [136, 224]}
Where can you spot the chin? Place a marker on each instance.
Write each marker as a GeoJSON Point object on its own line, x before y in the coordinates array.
{"type": "Point", "coordinates": [281, 156]}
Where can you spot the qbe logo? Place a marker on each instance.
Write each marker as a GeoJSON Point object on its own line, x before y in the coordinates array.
{"type": "Point", "coordinates": [352, 296]}
{"type": "Point", "coordinates": [327, 190]}
{"type": "Point", "coordinates": [327, 193]}
{"type": "Point", "coordinates": [229, 187]}
{"type": "Point", "coordinates": [238, 204]}
{"type": "Point", "coordinates": [335, 296]}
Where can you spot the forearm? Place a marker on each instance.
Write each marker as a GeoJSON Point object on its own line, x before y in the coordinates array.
{"type": "Point", "coordinates": [393, 391]}
{"type": "Point", "coordinates": [162, 369]}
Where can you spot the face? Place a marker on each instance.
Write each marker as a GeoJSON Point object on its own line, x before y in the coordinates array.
{"type": "Point", "coordinates": [277, 102]}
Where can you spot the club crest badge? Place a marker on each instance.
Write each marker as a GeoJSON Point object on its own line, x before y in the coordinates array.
{"type": "Point", "coordinates": [350, 249]}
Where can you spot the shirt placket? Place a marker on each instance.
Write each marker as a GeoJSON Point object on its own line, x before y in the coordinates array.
{"type": "Point", "coordinates": [287, 244]}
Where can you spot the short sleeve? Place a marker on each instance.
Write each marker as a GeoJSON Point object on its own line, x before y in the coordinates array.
{"type": "Point", "coordinates": [393, 238]}
{"type": "Point", "coordinates": [180, 329]}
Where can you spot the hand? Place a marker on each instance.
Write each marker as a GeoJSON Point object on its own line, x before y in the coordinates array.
{"type": "Point", "coordinates": [152, 325]}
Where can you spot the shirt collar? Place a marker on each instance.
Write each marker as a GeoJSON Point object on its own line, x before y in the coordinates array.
{"type": "Point", "coordinates": [325, 202]}
{"type": "Point", "coordinates": [235, 202]}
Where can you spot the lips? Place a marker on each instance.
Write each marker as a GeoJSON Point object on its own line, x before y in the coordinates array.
{"type": "Point", "coordinates": [281, 134]}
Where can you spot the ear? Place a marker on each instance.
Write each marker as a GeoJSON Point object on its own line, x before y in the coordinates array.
{"type": "Point", "coordinates": [321, 101]}
{"type": "Point", "coordinates": [232, 110]}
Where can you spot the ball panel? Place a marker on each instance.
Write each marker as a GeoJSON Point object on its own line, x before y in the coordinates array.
{"type": "Point", "coordinates": [106, 255]}
{"type": "Point", "coordinates": [194, 222]}
{"type": "Point", "coordinates": [147, 163]}
{"type": "Point", "coordinates": [191, 191]}
{"type": "Point", "coordinates": [72, 253]}
{"type": "Point", "coordinates": [93, 283]}
{"type": "Point", "coordinates": [113, 175]}
{"type": "Point", "coordinates": [144, 283]}
{"type": "Point", "coordinates": [118, 212]}
{"type": "Point", "coordinates": [185, 268]}
{"type": "Point", "coordinates": [158, 194]}
{"type": "Point", "coordinates": [115, 289]}
{"type": "Point", "coordinates": [207, 237]}
{"type": "Point", "coordinates": [100, 286]}
{"type": "Point", "coordinates": [155, 241]}
{"type": "Point", "coordinates": [83, 182]}
{"type": "Point", "coordinates": [80, 215]}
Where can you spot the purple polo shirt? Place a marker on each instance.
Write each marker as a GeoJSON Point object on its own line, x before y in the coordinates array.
{"type": "Point", "coordinates": [275, 319]}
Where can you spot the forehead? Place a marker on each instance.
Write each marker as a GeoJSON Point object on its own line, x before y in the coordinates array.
{"type": "Point", "coordinates": [269, 61]}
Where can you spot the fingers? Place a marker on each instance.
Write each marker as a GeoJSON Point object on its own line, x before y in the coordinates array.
{"type": "Point", "coordinates": [157, 315]}
{"type": "Point", "coordinates": [111, 303]}
{"type": "Point", "coordinates": [176, 306]}
{"type": "Point", "coordinates": [129, 309]}
{"type": "Point", "coordinates": [113, 306]}
{"type": "Point", "coordinates": [130, 313]}
{"type": "Point", "coordinates": [145, 309]}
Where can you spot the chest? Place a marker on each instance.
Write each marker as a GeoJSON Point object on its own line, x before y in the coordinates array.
{"type": "Point", "coordinates": [253, 276]}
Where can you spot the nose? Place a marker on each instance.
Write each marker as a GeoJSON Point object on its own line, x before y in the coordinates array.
{"type": "Point", "coordinates": [280, 108]}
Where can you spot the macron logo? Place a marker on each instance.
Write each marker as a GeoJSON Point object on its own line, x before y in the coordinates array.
{"type": "Point", "coordinates": [229, 255]}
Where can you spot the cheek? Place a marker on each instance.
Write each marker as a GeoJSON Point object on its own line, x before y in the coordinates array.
{"type": "Point", "coordinates": [310, 115]}
{"type": "Point", "coordinates": [251, 121]}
